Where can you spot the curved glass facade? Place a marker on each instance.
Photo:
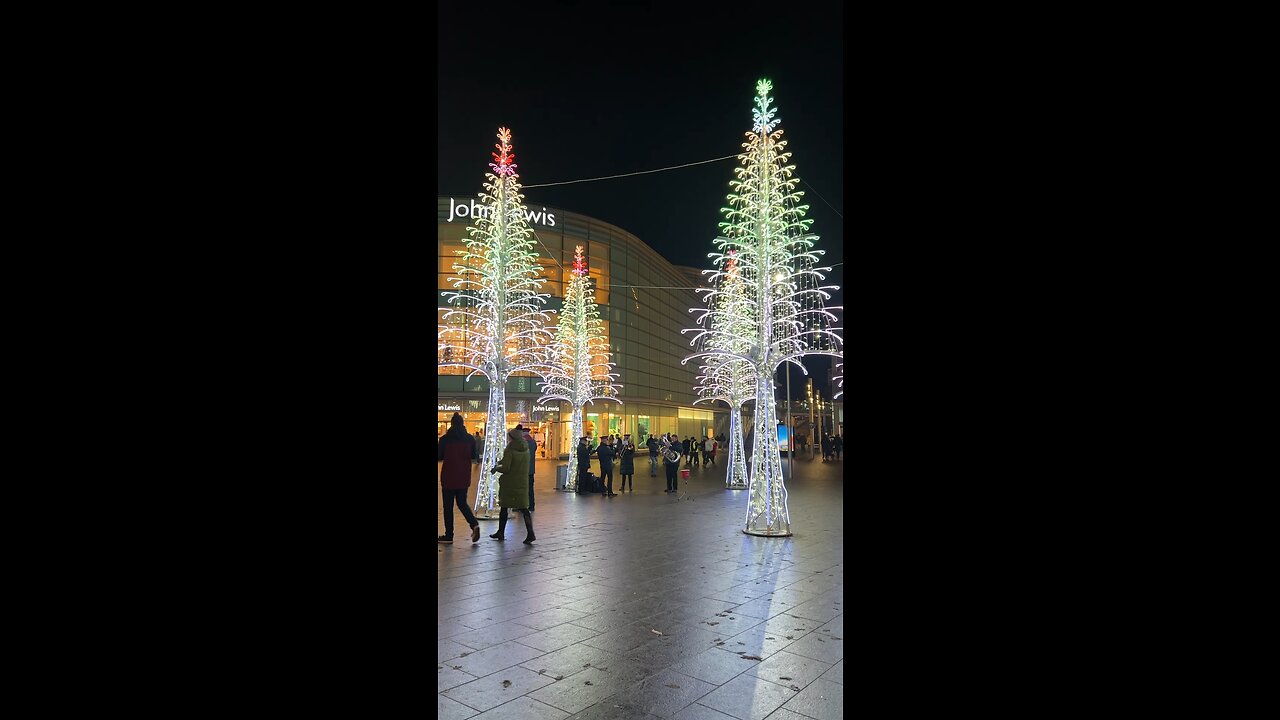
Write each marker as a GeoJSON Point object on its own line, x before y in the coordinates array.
{"type": "Point", "coordinates": [643, 312]}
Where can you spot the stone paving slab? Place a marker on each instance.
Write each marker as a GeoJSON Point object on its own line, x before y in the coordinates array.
{"type": "Point", "coordinates": [644, 606]}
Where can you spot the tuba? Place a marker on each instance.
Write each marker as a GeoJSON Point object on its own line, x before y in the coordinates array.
{"type": "Point", "coordinates": [670, 453]}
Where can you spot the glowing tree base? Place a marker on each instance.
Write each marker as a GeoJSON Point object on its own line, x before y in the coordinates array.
{"type": "Point", "coordinates": [495, 442]}
{"type": "Point", "coordinates": [575, 433]}
{"type": "Point", "coordinates": [767, 513]}
{"type": "Point", "coordinates": [736, 468]}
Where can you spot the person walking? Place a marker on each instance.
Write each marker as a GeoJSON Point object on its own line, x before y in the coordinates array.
{"type": "Point", "coordinates": [626, 466]}
{"type": "Point", "coordinates": [533, 445]}
{"type": "Point", "coordinates": [457, 449]}
{"type": "Point", "coordinates": [514, 495]}
{"type": "Point", "coordinates": [837, 444]}
{"type": "Point", "coordinates": [653, 456]}
{"type": "Point", "coordinates": [479, 444]}
{"type": "Point", "coordinates": [827, 450]}
{"type": "Point", "coordinates": [708, 451]}
{"type": "Point", "coordinates": [606, 453]}
{"type": "Point", "coordinates": [672, 467]}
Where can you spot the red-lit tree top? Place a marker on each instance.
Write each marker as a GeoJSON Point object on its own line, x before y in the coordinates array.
{"type": "Point", "coordinates": [579, 265]}
{"type": "Point", "coordinates": [506, 164]}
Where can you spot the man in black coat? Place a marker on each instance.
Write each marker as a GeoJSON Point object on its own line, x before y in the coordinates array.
{"type": "Point", "coordinates": [672, 467]}
{"type": "Point", "coordinates": [653, 456]}
{"type": "Point", "coordinates": [606, 452]}
{"type": "Point", "coordinates": [584, 461]}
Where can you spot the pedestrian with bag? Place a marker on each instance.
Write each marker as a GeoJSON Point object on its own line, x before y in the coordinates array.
{"type": "Point", "coordinates": [653, 456]}
{"type": "Point", "coordinates": [456, 449]}
{"type": "Point", "coordinates": [513, 493]}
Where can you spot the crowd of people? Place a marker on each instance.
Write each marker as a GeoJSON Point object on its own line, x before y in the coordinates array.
{"type": "Point", "coordinates": [457, 450]}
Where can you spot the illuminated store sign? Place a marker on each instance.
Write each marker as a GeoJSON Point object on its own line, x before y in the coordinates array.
{"type": "Point", "coordinates": [474, 210]}
{"type": "Point", "coordinates": [446, 407]}
{"type": "Point", "coordinates": [546, 408]}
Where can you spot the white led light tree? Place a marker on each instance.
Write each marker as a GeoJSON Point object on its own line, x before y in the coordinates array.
{"type": "Point", "coordinates": [495, 326]}
{"type": "Point", "coordinates": [765, 225]}
{"type": "Point", "coordinates": [578, 370]}
{"type": "Point", "coordinates": [723, 378]}
{"type": "Point", "coordinates": [838, 380]}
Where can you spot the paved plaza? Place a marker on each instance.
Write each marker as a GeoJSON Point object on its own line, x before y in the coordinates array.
{"type": "Point", "coordinates": [643, 606]}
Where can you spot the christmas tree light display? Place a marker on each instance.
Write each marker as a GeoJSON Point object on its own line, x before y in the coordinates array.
{"type": "Point", "coordinates": [765, 225]}
{"type": "Point", "coordinates": [725, 379]}
{"type": "Point", "coordinates": [578, 370]}
{"type": "Point", "coordinates": [837, 380]}
{"type": "Point", "coordinates": [495, 327]}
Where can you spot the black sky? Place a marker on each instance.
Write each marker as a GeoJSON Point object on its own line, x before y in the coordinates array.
{"type": "Point", "coordinates": [593, 89]}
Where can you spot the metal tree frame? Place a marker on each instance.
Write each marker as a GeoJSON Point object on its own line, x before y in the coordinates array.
{"type": "Point", "coordinates": [765, 225]}
{"type": "Point", "coordinates": [496, 328]}
{"type": "Point", "coordinates": [578, 370]}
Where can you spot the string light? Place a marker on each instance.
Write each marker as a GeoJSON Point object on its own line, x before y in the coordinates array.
{"type": "Point", "coordinates": [495, 327]}
{"type": "Point", "coordinates": [578, 370]}
{"type": "Point", "coordinates": [767, 237]}
{"type": "Point", "coordinates": [725, 379]}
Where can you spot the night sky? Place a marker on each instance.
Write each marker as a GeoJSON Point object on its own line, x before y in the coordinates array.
{"type": "Point", "coordinates": [592, 89]}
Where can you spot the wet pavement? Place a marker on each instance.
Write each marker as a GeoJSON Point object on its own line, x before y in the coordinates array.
{"type": "Point", "coordinates": [645, 606]}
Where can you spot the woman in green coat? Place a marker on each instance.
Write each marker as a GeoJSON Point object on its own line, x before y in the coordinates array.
{"type": "Point", "coordinates": [513, 487]}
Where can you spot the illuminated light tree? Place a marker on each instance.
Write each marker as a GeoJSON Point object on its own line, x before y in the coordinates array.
{"type": "Point", "coordinates": [837, 380]}
{"type": "Point", "coordinates": [495, 327]}
{"type": "Point", "coordinates": [578, 370]}
{"type": "Point", "coordinates": [726, 379]}
{"type": "Point", "coordinates": [765, 225]}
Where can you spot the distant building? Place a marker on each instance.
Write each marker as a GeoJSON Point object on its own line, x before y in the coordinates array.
{"type": "Point", "coordinates": [641, 322]}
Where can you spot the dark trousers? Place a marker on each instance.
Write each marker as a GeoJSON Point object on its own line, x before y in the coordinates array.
{"type": "Point", "coordinates": [582, 473]}
{"type": "Point", "coordinates": [628, 478]}
{"type": "Point", "coordinates": [708, 458]}
{"type": "Point", "coordinates": [458, 496]}
{"type": "Point", "coordinates": [672, 469]}
{"type": "Point", "coordinates": [531, 492]}
{"type": "Point", "coordinates": [606, 477]}
{"type": "Point", "coordinates": [502, 521]}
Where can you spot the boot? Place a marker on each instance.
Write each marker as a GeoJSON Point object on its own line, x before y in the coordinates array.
{"type": "Point", "coordinates": [501, 535]}
{"type": "Point", "coordinates": [528, 526]}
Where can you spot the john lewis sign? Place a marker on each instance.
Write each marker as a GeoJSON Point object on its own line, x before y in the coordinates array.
{"type": "Point", "coordinates": [471, 210]}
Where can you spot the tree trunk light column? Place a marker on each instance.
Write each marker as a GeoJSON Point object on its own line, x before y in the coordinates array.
{"type": "Point", "coordinates": [575, 433]}
{"type": "Point", "coordinates": [767, 512]}
{"type": "Point", "coordinates": [495, 441]}
{"type": "Point", "coordinates": [736, 466]}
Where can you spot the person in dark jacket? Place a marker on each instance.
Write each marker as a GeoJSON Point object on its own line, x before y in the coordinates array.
{"type": "Point", "coordinates": [684, 448]}
{"type": "Point", "coordinates": [606, 454]}
{"type": "Point", "coordinates": [653, 456]}
{"type": "Point", "coordinates": [827, 451]}
{"type": "Point", "coordinates": [584, 461]}
{"type": "Point", "coordinates": [626, 465]}
{"type": "Point", "coordinates": [672, 467]}
{"type": "Point", "coordinates": [457, 449]}
{"type": "Point", "coordinates": [837, 444]}
{"type": "Point", "coordinates": [513, 496]}
{"type": "Point", "coordinates": [533, 445]}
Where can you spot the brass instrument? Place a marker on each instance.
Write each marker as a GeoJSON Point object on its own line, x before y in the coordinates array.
{"type": "Point", "coordinates": [671, 454]}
